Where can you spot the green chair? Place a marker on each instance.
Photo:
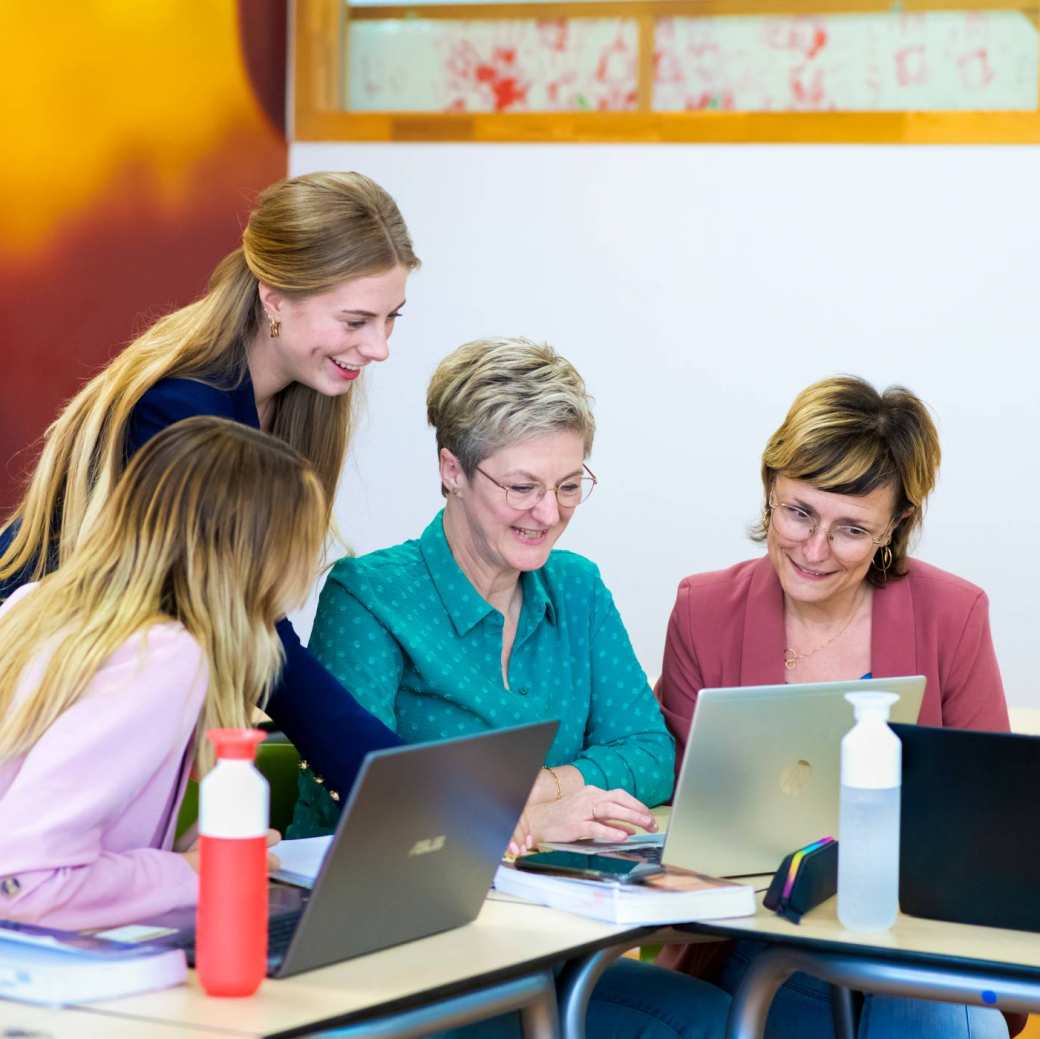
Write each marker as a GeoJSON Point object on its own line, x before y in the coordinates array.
{"type": "Point", "coordinates": [279, 763]}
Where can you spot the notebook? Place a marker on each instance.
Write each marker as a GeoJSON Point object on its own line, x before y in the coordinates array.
{"type": "Point", "coordinates": [45, 965]}
{"type": "Point", "coordinates": [675, 896]}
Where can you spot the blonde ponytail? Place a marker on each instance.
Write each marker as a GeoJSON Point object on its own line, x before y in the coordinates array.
{"type": "Point", "coordinates": [306, 235]}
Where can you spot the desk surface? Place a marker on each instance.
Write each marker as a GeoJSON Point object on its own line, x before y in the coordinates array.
{"type": "Point", "coordinates": [82, 1023]}
{"type": "Point", "coordinates": [506, 939]}
{"type": "Point", "coordinates": [911, 936]}
{"type": "Point", "coordinates": [925, 941]}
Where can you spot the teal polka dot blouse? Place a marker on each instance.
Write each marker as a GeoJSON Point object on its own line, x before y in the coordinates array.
{"type": "Point", "coordinates": [405, 631]}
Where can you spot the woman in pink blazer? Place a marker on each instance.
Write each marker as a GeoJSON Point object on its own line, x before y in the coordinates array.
{"type": "Point", "coordinates": [160, 625]}
{"type": "Point", "coordinates": [836, 596]}
{"type": "Point", "coordinates": [728, 628]}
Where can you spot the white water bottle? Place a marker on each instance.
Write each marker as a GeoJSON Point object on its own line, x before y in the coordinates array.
{"type": "Point", "coordinates": [868, 834]}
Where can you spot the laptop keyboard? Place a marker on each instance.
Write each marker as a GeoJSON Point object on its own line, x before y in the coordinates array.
{"type": "Point", "coordinates": [645, 853]}
{"type": "Point", "coordinates": [279, 934]}
{"type": "Point", "coordinates": [280, 930]}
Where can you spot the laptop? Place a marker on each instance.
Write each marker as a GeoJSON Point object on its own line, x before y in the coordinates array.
{"type": "Point", "coordinates": [969, 847]}
{"type": "Point", "coordinates": [414, 852]}
{"type": "Point", "coordinates": [761, 775]}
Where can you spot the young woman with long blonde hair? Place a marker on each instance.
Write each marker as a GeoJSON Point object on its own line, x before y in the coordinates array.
{"type": "Point", "coordinates": [158, 625]}
{"type": "Point", "coordinates": [288, 323]}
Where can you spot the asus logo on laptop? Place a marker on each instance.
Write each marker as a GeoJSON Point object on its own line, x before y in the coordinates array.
{"type": "Point", "coordinates": [424, 847]}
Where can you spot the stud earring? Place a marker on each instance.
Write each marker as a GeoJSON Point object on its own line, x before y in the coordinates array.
{"type": "Point", "coordinates": [276, 327]}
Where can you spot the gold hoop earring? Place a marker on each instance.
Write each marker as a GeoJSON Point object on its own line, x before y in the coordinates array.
{"type": "Point", "coordinates": [276, 327]}
{"type": "Point", "coordinates": [886, 560]}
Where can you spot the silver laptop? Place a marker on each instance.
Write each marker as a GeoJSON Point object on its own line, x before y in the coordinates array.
{"type": "Point", "coordinates": [761, 774]}
{"type": "Point", "coordinates": [414, 852]}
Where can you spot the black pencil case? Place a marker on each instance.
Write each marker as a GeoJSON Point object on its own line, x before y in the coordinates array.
{"type": "Point", "coordinates": [805, 878]}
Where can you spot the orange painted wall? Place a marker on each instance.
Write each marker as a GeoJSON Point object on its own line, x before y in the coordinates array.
{"type": "Point", "coordinates": [136, 136]}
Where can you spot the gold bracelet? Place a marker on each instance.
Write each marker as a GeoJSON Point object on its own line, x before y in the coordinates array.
{"type": "Point", "coordinates": [556, 780]}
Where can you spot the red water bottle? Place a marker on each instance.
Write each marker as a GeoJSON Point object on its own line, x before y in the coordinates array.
{"type": "Point", "coordinates": [231, 933]}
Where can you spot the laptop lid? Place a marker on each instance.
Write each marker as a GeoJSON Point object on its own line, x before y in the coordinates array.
{"type": "Point", "coordinates": [761, 773]}
{"type": "Point", "coordinates": [417, 843]}
{"type": "Point", "coordinates": [969, 849]}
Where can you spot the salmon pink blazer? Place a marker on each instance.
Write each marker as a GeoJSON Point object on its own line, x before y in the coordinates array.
{"type": "Point", "coordinates": [727, 629]}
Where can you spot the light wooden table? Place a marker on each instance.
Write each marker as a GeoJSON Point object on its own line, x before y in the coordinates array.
{"type": "Point", "coordinates": [927, 959]}
{"type": "Point", "coordinates": [32, 1022]}
{"type": "Point", "coordinates": [501, 961]}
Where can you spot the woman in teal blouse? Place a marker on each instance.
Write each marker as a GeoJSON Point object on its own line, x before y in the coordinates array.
{"type": "Point", "coordinates": [480, 624]}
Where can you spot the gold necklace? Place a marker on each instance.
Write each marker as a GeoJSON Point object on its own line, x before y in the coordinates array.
{"type": "Point", "coordinates": [792, 656]}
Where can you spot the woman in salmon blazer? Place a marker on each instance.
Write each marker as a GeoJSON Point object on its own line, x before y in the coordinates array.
{"type": "Point", "coordinates": [838, 596]}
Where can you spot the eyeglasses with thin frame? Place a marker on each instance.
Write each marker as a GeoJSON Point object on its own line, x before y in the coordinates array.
{"type": "Point", "coordinates": [849, 540]}
{"type": "Point", "coordinates": [569, 493]}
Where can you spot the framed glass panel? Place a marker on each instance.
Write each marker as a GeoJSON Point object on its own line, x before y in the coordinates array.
{"type": "Point", "coordinates": [493, 65]}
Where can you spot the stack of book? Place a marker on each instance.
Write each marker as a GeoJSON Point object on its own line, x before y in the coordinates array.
{"type": "Point", "coordinates": [671, 896]}
{"type": "Point", "coordinates": [42, 965]}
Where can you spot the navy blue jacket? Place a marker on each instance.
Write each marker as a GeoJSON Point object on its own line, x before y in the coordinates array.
{"type": "Point", "coordinates": [330, 729]}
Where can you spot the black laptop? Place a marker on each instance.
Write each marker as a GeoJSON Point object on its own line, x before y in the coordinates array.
{"type": "Point", "coordinates": [414, 853]}
{"type": "Point", "coordinates": [969, 844]}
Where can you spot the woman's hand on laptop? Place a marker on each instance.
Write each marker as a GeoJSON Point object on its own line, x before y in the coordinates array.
{"type": "Point", "coordinates": [191, 854]}
{"type": "Point", "coordinates": [523, 839]}
{"type": "Point", "coordinates": [589, 814]}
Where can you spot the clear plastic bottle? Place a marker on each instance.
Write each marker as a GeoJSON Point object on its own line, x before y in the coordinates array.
{"type": "Point", "coordinates": [231, 933]}
{"type": "Point", "coordinates": [868, 834]}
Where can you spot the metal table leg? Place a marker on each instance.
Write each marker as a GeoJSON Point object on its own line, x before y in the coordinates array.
{"type": "Point", "coordinates": [534, 995]}
{"type": "Point", "coordinates": [765, 974]}
{"type": "Point", "coordinates": [540, 1018]}
{"type": "Point", "coordinates": [575, 986]}
{"type": "Point", "coordinates": [843, 1013]}
{"type": "Point", "coordinates": [769, 970]}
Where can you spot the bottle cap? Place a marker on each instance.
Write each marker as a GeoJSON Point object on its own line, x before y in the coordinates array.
{"type": "Point", "coordinates": [871, 706]}
{"type": "Point", "coordinates": [236, 744]}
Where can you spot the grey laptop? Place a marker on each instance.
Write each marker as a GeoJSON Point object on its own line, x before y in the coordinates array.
{"type": "Point", "coordinates": [414, 852]}
{"type": "Point", "coordinates": [761, 773]}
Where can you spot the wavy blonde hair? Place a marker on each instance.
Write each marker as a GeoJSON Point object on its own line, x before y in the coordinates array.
{"type": "Point", "coordinates": [841, 435]}
{"type": "Point", "coordinates": [305, 236]}
{"type": "Point", "coordinates": [213, 525]}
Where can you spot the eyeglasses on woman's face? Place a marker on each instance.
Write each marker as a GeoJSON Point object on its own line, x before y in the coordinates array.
{"type": "Point", "coordinates": [522, 495]}
{"type": "Point", "coordinates": [849, 541]}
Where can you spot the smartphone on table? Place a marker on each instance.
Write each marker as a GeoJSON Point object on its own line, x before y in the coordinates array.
{"type": "Point", "coordinates": [619, 868]}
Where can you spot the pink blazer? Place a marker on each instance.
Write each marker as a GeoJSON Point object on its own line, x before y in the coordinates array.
{"type": "Point", "coordinates": [87, 815]}
{"type": "Point", "coordinates": [727, 629]}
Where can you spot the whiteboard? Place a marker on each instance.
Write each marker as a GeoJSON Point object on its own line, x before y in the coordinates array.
{"type": "Point", "coordinates": [698, 289]}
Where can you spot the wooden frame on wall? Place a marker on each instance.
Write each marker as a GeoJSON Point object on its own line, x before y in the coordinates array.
{"type": "Point", "coordinates": [318, 60]}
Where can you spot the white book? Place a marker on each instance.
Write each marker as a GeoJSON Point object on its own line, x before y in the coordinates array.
{"type": "Point", "coordinates": [300, 860]}
{"type": "Point", "coordinates": [671, 897]}
{"type": "Point", "coordinates": [40, 965]}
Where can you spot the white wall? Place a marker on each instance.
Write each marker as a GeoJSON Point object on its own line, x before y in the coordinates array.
{"type": "Point", "coordinates": [698, 289]}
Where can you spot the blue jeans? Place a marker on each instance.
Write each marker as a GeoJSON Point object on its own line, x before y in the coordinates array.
{"type": "Point", "coordinates": [633, 1000]}
{"type": "Point", "coordinates": [802, 1010]}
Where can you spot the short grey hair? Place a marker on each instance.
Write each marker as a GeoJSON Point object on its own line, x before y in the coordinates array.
{"type": "Point", "coordinates": [493, 392]}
